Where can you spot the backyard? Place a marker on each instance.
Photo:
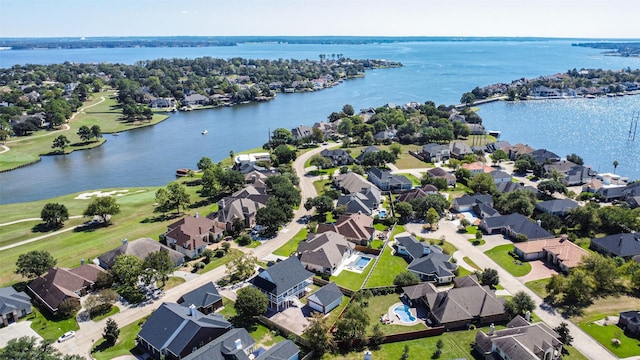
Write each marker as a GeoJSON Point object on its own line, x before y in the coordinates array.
{"type": "Point", "coordinates": [500, 254]}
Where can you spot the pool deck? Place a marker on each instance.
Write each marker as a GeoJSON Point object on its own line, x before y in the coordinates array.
{"type": "Point", "coordinates": [392, 318]}
{"type": "Point", "coordinates": [349, 264]}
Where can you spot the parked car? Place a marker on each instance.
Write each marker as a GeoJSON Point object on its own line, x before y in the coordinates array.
{"type": "Point", "coordinates": [66, 336]}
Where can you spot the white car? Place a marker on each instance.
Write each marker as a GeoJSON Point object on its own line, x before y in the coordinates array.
{"type": "Point", "coordinates": [66, 336]}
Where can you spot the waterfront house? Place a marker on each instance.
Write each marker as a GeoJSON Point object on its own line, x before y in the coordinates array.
{"type": "Point", "coordinates": [140, 248]}
{"type": "Point", "coordinates": [324, 253]}
{"type": "Point", "coordinates": [13, 305]}
{"type": "Point", "coordinates": [205, 298]}
{"type": "Point", "coordinates": [426, 261]}
{"type": "Point", "coordinates": [174, 331]}
{"type": "Point", "coordinates": [544, 156]}
{"type": "Point", "coordinates": [433, 152]}
{"type": "Point", "coordinates": [195, 99]}
{"type": "Point", "coordinates": [520, 340]}
{"type": "Point", "coordinates": [519, 149]}
{"type": "Point", "coordinates": [301, 132]}
{"type": "Point", "coordinates": [325, 299]}
{"type": "Point", "coordinates": [61, 284]}
{"type": "Point", "coordinates": [283, 282]}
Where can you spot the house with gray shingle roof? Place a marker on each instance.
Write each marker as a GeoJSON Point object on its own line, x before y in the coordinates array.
{"type": "Point", "coordinates": [355, 203]}
{"type": "Point", "coordinates": [324, 252]}
{"type": "Point", "coordinates": [520, 340]}
{"type": "Point", "coordinates": [625, 245]}
{"type": "Point", "coordinates": [174, 331]}
{"type": "Point", "coordinates": [441, 173]}
{"type": "Point", "coordinates": [426, 261]}
{"type": "Point", "coordinates": [557, 207]}
{"type": "Point", "coordinates": [458, 149]}
{"type": "Point", "coordinates": [206, 298]}
{"type": "Point", "coordinates": [467, 202]}
{"type": "Point", "coordinates": [513, 225]}
{"type": "Point", "coordinates": [629, 321]}
{"type": "Point", "coordinates": [140, 248]}
{"type": "Point", "coordinates": [326, 298]}
{"type": "Point", "coordinates": [351, 183]}
{"type": "Point", "coordinates": [337, 157]}
{"type": "Point", "coordinates": [283, 282]}
{"type": "Point", "coordinates": [386, 181]}
{"type": "Point", "coordinates": [365, 151]}
{"type": "Point", "coordinates": [13, 305]}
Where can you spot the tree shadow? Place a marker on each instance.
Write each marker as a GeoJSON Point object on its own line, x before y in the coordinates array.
{"type": "Point", "coordinates": [203, 202]}
{"type": "Point", "coordinates": [102, 346]}
{"type": "Point", "coordinates": [43, 228]}
{"type": "Point", "coordinates": [160, 218]}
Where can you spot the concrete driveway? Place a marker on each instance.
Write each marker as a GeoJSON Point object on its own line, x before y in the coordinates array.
{"type": "Point", "coordinates": [539, 270]}
{"type": "Point", "coordinates": [16, 330]}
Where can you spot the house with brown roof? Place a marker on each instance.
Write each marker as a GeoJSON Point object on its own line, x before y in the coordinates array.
{"type": "Point", "coordinates": [324, 253]}
{"type": "Point", "coordinates": [140, 248]}
{"type": "Point", "coordinates": [478, 168]}
{"type": "Point", "coordinates": [357, 228]}
{"type": "Point", "coordinates": [243, 209]}
{"type": "Point", "coordinates": [519, 149]}
{"type": "Point", "coordinates": [440, 173]}
{"type": "Point", "coordinates": [557, 251]}
{"type": "Point", "coordinates": [60, 284]}
{"type": "Point", "coordinates": [191, 235]}
{"type": "Point", "coordinates": [520, 340]}
{"type": "Point", "coordinates": [417, 193]}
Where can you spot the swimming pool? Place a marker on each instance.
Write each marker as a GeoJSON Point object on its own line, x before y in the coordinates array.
{"type": "Point", "coordinates": [404, 313]}
{"type": "Point", "coordinates": [382, 214]}
{"type": "Point", "coordinates": [361, 263]}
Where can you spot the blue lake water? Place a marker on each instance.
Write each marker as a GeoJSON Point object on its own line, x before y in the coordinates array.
{"type": "Point", "coordinates": [440, 71]}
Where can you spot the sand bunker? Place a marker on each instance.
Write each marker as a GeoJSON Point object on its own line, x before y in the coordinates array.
{"type": "Point", "coordinates": [89, 195]}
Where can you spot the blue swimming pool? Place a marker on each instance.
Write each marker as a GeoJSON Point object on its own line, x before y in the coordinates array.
{"type": "Point", "coordinates": [404, 313]}
{"type": "Point", "coordinates": [382, 214]}
{"type": "Point", "coordinates": [362, 263]}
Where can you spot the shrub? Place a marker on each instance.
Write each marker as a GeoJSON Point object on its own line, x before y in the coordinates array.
{"type": "Point", "coordinates": [219, 253]}
{"type": "Point", "coordinates": [99, 309]}
{"type": "Point", "coordinates": [132, 294]}
{"type": "Point", "coordinates": [244, 240]}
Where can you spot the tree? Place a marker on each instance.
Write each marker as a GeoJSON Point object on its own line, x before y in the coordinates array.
{"type": "Point", "coordinates": [432, 217]}
{"type": "Point", "coordinates": [250, 302]}
{"type": "Point", "coordinates": [127, 269]}
{"type": "Point", "coordinates": [549, 187]}
{"type": "Point", "coordinates": [34, 263]}
{"type": "Point", "coordinates": [161, 264]}
{"type": "Point", "coordinates": [396, 149]}
{"type": "Point", "coordinates": [320, 162]}
{"type": "Point", "coordinates": [68, 308]}
{"type": "Point", "coordinates": [96, 131]}
{"type": "Point", "coordinates": [281, 136]}
{"type": "Point", "coordinates": [284, 154]}
{"type": "Point", "coordinates": [175, 196]}
{"type": "Point", "coordinates": [241, 267]}
{"type": "Point", "coordinates": [518, 201]}
{"type": "Point", "coordinates": [404, 211]}
{"type": "Point", "coordinates": [579, 288]}
{"type": "Point", "coordinates": [352, 325]}
{"type": "Point", "coordinates": [111, 332]}
{"type": "Point", "coordinates": [29, 348]}
{"type": "Point", "coordinates": [604, 271]}
{"type": "Point", "coordinates": [462, 175]}
{"type": "Point", "coordinates": [615, 165]}
{"type": "Point", "coordinates": [482, 183]}
{"type": "Point", "coordinates": [322, 203]}
{"type": "Point", "coordinates": [574, 158]}
{"type": "Point", "coordinates": [271, 217]}
{"type": "Point", "coordinates": [101, 302]}
{"type": "Point", "coordinates": [54, 215]}
{"type": "Point", "coordinates": [563, 331]}
{"type": "Point", "coordinates": [347, 109]}
{"type": "Point", "coordinates": [519, 304]}
{"type": "Point", "coordinates": [84, 133]}
{"type": "Point", "coordinates": [498, 156]}
{"type": "Point", "coordinates": [467, 99]}
{"type": "Point", "coordinates": [204, 163]}
{"type": "Point", "coordinates": [489, 277]}
{"type": "Point", "coordinates": [210, 184]}
{"type": "Point", "coordinates": [230, 180]}
{"type": "Point", "coordinates": [60, 142]}
{"type": "Point", "coordinates": [104, 207]}
{"type": "Point", "coordinates": [406, 278]}
{"type": "Point", "coordinates": [319, 335]}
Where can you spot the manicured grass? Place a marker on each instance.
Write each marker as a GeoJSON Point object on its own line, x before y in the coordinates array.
{"type": "Point", "coordinates": [389, 266]}
{"type": "Point", "coordinates": [463, 272]}
{"type": "Point", "coordinates": [114, 310]}
{"type": "Point", "coordinates": [221, 261]}
{"type": "Point", "coordinates": [228, 311]}
{"type": "Point", "coordinates": [472, 230]}
{"type": "Point", "coordinates": [22, 231]}
{"type": "Point", "coordinates": [228, 161]}
{"type": "Point", "coordinates": [376, 244]}
{"type": "Point", "coordinates": [124, 345]}
{"type": "Point", "coordinates": [172, 282]}
{"type": "Point", "coordinates": [352, 280]}
{"type": "Point", "coordinates": [538, 287]}
{"type": "Point", "coordinates": [500, 254]}
{"type": "Point", "coordinates": [263, 336]}
{"type": "Point", "coordinates": [49, 328]}
{"type": "Point", "coordinates": [379, 305]}
{"type": "Point", "coordinates": [320, 186]}
{"type": "Point", "coordinates": [414, 180]}
{"type": "Point", "coordinates": [332, 317]}
{"type": "Point", "coordinates": [292, 245]}
{"type": "Point", "coordinates": [604, 334]}
{"type": "Point", "coordinates": [471, 263]}
{"type": "Point", "coordinates": [380, 227]}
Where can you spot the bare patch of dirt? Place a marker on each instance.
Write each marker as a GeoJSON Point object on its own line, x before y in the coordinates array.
{"type": "Point", "coordinates": [610, 305]}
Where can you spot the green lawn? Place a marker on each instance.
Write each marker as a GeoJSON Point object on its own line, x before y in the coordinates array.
{"type": "Point", "coordinates": [500, 254]}
{"type": "Point", "coordinates": [320, 186]}
{"type": "Point", "coordinates": [379, 305]}
{"type": "Point", "coordinates": [380, 227]}
{"type": "Point", "coordinates": [470, 262]}
{"type": "Point", "coordinates": [388, 267]}
{"type": "Point", "coordinates": [352, 280]}
{"type": "Point", "coordinates": [50, 329]}
{"type": "Point", "coordinates": [604, 334]}
{"type": "Point", "coordinates": [332, 317]}
{"type": "Point", "coordinates": [292, 245]}
{"type": "Point", "coordinates": [114, 310]}
{"type": "Point", "coordinates": [124, 345]}
{"type": "Point", "coordinates": [221, 261]}
{"type": "Point", "coordinates": [538, 287]}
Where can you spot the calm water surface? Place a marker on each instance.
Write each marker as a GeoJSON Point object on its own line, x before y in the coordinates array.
{"type": "Point", "coordinates": [438, 71]}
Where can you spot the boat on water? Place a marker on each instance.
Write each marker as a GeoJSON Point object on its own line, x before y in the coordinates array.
{"type": "Point", "coordinates": [182, 172]}
{"type": "Point", "coordinates": [204, 132]}
{"type": "Point", "coordinates": [115, 134]}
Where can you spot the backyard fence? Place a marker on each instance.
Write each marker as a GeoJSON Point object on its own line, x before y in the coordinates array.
{"type": "Point", "coordinates": [321, 282]}
{"type": "Point", "coordinates": [368, 250]}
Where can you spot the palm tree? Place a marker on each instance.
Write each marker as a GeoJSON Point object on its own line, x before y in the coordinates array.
{"type": "Point", "coordinates": [615, 165]}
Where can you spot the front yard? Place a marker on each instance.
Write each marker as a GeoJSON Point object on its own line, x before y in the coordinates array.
{"type": "Point", "coordinates": [292, 245]}
{"type": "Point", "coordinates": [49, 328]}
{"type": "Point", "coordinates": [500, 254]}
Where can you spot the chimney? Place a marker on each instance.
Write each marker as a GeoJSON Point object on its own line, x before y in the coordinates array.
{"type": "Point", "coordinates": [368, 355]}
{"type": "Point", "coordinates": [192, 310]}
{"type": "Point", "coordinates": [539, 222]}
{"type": "Point", "coordinates": [125, 241]}
{"type": "Point", "coordinates": [491, 329]}
{"type": "Point", "coordinates": [527, 316]}
{"type": "Point", "coordinates": [238, 344]}
{"type": "Point", "coordinates": [620, 242]}
{"type": "Point", "coordinates": [222, 203]}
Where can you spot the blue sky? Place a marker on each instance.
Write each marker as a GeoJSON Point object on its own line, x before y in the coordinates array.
{"type": "Point", "coordinates": [543, 18]}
